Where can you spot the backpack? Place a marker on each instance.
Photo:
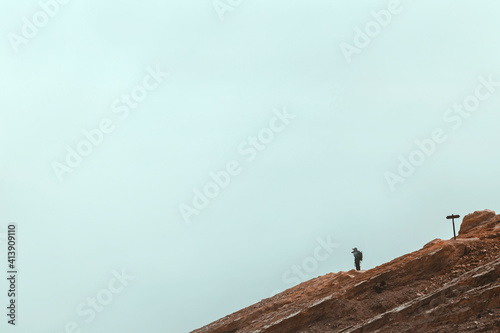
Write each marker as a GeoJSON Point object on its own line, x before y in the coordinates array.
{"type": "Point", "coordinates": [359, 255]}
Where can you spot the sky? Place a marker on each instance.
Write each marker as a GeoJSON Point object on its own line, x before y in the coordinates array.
{"type": "Point", "coordinates": [165, 164]}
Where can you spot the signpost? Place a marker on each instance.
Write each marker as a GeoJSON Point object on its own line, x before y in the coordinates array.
{"type": "Point", "coordinates": [453, 217]}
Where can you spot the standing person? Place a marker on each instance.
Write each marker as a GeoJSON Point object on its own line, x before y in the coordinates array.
{"type": "Point", "coordinates": [358, 256]}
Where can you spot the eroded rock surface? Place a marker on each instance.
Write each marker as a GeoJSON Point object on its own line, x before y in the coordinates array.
{"type": "Point", "coordinates": [447, 286]}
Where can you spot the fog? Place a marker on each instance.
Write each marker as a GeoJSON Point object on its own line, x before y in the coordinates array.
{"type": "Point", "coordinates": [169, 163]}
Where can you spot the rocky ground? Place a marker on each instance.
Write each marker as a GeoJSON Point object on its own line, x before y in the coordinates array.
{"type": "Point", "coordinates": [447, 286]}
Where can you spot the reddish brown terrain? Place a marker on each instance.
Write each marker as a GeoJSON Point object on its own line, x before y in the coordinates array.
{"type": "Point", "coordinates": [447, 286]}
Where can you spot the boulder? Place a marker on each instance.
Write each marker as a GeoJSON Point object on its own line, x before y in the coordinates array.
{"type": "Point", "coordinates": [472, 220]}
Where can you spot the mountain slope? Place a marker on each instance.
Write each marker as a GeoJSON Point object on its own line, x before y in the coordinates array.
{"type": "Point", "coordinates": [447, 286]}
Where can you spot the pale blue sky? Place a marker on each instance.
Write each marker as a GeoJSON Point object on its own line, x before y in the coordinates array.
{"type": "Point", "coordinates": [322, 176]}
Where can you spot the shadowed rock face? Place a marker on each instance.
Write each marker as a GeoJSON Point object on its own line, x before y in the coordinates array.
{"type": "Point", "coordinates": [447, 286]}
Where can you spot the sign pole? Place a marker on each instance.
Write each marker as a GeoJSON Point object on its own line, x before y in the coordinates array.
{"type": "Point", "coordinates": [453, 217]}
{"type": "Point", "coordinates": [454, 235]}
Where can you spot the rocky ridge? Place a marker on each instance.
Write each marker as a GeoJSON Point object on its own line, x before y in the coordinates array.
{"type": "Point", "coordinates": [447, 286]}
